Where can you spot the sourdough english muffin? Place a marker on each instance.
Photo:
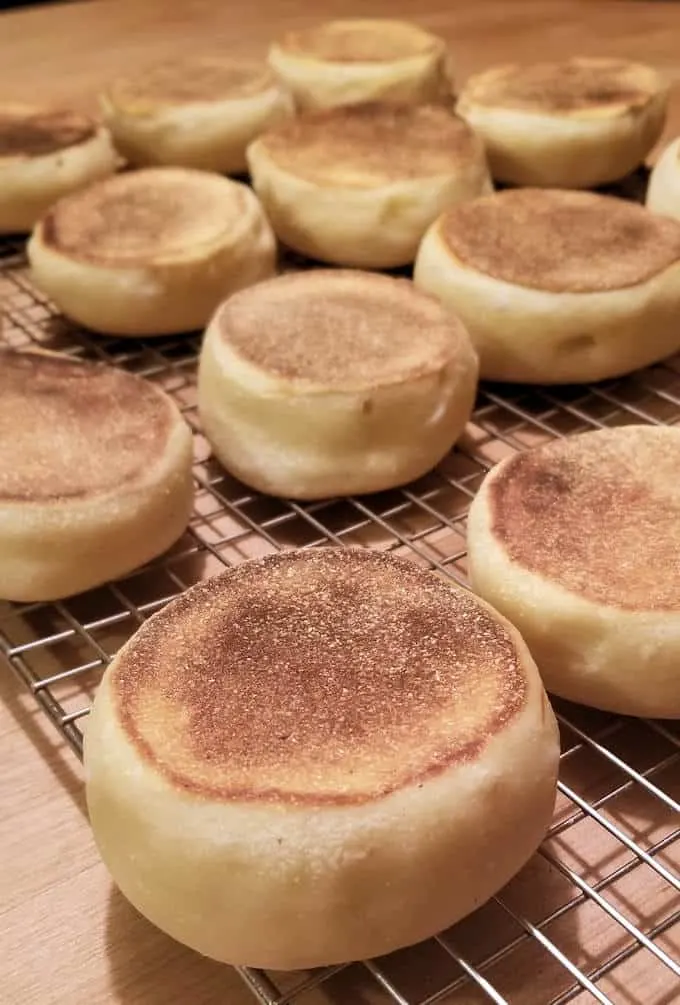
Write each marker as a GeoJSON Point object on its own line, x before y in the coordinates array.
{"type": "Point", "coordinates": [199, 112]}
{"type": "Point", "coordinates": [358, 60]}
{"type": "Point", "coordinates": [325, 383]}
{"type": "Point", "coordinates": [95, 474]}
{"type": "Point", "coordinates": [317, 757]}
{"type": "Point", "coordinates": [578, 544]}
{"type": "Point", "coordinates": [579, 123]}
{"type": "Point", "coordinates": [151, 252]}
{"type": "Point", "coordinates": [358, 186]}
{"type": "Point", "coordinates": [557, 287]}
{"type": "Point", "coordinates": [46, 153]}
{"type": "Point", "coordinates": [663, 189]}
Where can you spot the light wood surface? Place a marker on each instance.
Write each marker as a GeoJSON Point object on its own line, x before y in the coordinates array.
{"type": "Point", "coordinates": [65, 937]}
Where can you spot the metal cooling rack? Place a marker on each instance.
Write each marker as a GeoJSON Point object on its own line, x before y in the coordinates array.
{"type": "Point", "coordinates": [595, 916]}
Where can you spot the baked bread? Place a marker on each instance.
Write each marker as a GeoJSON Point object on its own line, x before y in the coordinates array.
{"type": "Point", "coordinates": [95, 474]}
{"type": "Point", "coordinates": [318, 757]}
{"type": "Point", "coordinates": [45, 154]}
{"type": "Point", "coordinates": [663, 188]}
{"type": "Point", "coordinates": [579, 123]}
{"type": "Point", "coordinates": [199, 112]}
{"type": "Point", "coordinates": [151, 252]}
{"type": "Point", "coordinates": [358, 60]}
{"type": "Point", "coordinates": [557, 287]}
{"type": "Point", "coordinates": [333, 382]}
{"type": "Point", "coordinates": [359, 186]}
{"type": "Point", "coordinates": [577, 542]}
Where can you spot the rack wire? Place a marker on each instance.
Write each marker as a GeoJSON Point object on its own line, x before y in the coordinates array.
{"type": "Point", "coordinates": [595, 916]}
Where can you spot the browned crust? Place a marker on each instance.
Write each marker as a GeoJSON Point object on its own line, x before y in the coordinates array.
{"type": "Point", "coordinates": [360, 41]}
{"type": "Point", "coordinates": [381, 142]}
{"type": "Point", "coordinates": [574, 85]}
{"type": "Point", "coordinates": [317, 676]}
{"type": "Point", "coordinates": [598, 514]}
{"type": "Point", "coordinates": [144, 216]}
{"type": "Point", "coordinates": [71, 430]}
{"type": "Point", "coordinates": [35, 133]}
{"type": "Point", "coordinates": [559, 241]}
{"type": "Point", "coordinates": [339, 328]}
{"type": "Point", "coordinates": [186, 81]}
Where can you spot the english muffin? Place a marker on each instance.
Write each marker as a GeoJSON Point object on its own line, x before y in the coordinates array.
{"type": "Point", "coordinates": [151, 252]}
{"type": "Point", "coordinates": [316, 757]}
{"type": "Point", "coordinates": [199, 112]}
{"type": "Point", "coordinates": [95, 474]}
{"type": "Point", "coordinates": [579, 123]}
{"type": "Point", "coordinates": [45, 154]}
{"type": "Point", "coordinates": [358, 60]}
{"type": "Point", "coordinates": [557, 287]}
{"type": "Point", "coordinates": [326, 383]}
{"type": "Point", "coordinates": [577, 543]}
{"type": "Point", "coordinates": [663, 189]}
{"type": "Point", "coordinates": [358, 186]}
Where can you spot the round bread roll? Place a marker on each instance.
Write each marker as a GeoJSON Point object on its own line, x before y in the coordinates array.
{"type": "Point", "coordinates": [663, 189]}
{"type": "Point", "coordinates": [557, 287]}
{"type": "Point", "coordinates": [577, 543]}
{"type": "Point", "coordinates": [95, 474]}
{"type": "Point", "coordinates": [359, 60]}
{"type": "Point", "coordinates": [152, 252]}
{"type": "Point", "coordinates": [44, 155]}
{"type": "Point", "coordinates": [317, 757]}
{"type": "Point", "coordinates": [326, 383]}
{"type": "Point", "coordinates": [200, 112]}
{"type": "Point", "coordinates": [359, 186]}
{"type": "Point", "coordinates": [575, 124]}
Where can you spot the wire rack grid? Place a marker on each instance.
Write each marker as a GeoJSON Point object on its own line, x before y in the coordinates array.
{"type": "Point", "coordinates": [595, 916]}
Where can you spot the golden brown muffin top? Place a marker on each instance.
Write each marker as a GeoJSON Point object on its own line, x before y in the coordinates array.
{"type": "Point", "coordinates": [317, 676]}
{"type": "Point", "coordinates": [144, 217]}
{"type": "Point", "coordinates": [72, 430]}
{"type": "Point", "coordinates": [361, 146]}
{"type": "Point", "coordinates": [572, 87]}
{"type": "Point", "coordinates": [27, 132]}
{"type": "Point", "coordinates": [341, 329]}
{"type": "Point", "coordinates": [598, 514]}
{"type": "Point", "coordinates": [360, 40]}
{"type": "Point", "coordinates": [189, 80]}
{"type": "Point", "coordinates": [559, 241]}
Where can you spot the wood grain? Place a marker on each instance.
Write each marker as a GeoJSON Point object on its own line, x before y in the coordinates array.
{"type": "Point", "coordinates": [65, 935]}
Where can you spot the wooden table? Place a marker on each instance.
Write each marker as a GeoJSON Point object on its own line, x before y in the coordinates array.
{"type": "Point", "coordinates": [65, 937]}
